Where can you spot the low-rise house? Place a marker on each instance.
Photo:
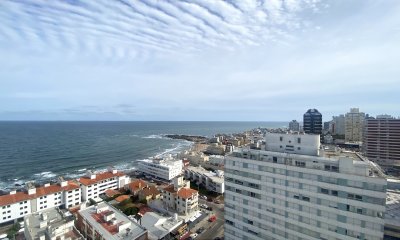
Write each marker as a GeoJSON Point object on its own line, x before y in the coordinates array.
{"type": "Point", "coordinates": [180, 197]}
{"type": "Point", "coordinates": [104, 222]}
{"type": "Point", "coordinates": [149, 193]}
{"type": "Point", "coordinates": [51, 224]}
{"type": "Point", "coordinates": [135, 186]}
{"type": "Point", "coordinates": [111, 193]}
{"type": "Point", "coordinates": [122, 198]}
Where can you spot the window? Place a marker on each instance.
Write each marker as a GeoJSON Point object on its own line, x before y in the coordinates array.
{"type": "Point", "coordinates": [298, 140]}
{"type": "Point", "coordinates": [324, 191]}
{"type": "Point", "coordinates": [281, 139]}
{"type": "Point", "coordinates": [274, 159]}
{"type": "Point", "coordinates": [334, 192]}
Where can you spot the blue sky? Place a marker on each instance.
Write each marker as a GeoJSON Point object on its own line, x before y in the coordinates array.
{"type": "Point", "coordinates": [197, 60]}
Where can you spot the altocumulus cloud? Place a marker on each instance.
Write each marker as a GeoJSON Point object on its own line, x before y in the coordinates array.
{"type": "Point", "coordinates": [125, 28]}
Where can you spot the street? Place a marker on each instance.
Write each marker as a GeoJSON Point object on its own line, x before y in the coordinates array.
{"type": "Point", "coordinates": [214, 229]}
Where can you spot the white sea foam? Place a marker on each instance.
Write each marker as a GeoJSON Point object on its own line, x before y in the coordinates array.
{"type": "Point", "coordinates": [45, 175]}
{"type": "Point", "coordinates": [81, 170]}
{"type": "Point", "coordinates": [155, 136]}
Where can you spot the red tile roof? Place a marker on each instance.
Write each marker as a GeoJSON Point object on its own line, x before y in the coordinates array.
{"type": "Point", "coordinates": [99, 177]}
{"type": "Point", "coordinates": [186, 192]}
{"type": "Point", "coordinates": [143, 210]}
{"type": "Point", "coordinates": [111, 192]}
{"type": "Point", "coordinates": [122, 198]}
{"type": "Point", "coordinates": [40, 191]}
{"type": "Point", "coordinates": [170, 189]}
{"type": "Point", "coordinates": [151, 190]}
{"type": "Point", "coordinates": [137, 185]}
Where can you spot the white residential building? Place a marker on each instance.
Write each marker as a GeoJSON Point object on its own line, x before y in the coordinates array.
{"type": "Point", "coordinates": [298, 143]}
{"type": "Point", "coordinates": [334, 194]}
{"type": "Point", "coordinates": [93, 185]}
{"type": "Point", "coordinates": [180, 197]}
{"type": "Point", "coordinates": [51, 224]}
{"type": "Point", "coordinates": [165, 169]}
{"type": "Point", "coordinates": [16, 205]}
{"type": "Point", "coordinates": [354, 123]}
{"type": "Point", "coordinates": [104, 222]}
{"type": "Point", "coordinates": [159, 226]}
{"type": "Point", "coordinates": [212, 181]}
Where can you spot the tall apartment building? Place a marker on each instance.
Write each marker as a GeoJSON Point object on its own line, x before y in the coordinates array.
{"type": "Point", "coordinates": [310, 194]}
{"type": "Point", "coordinates": [294, 126]}
{"type": "Point", "coordinates": [93, 185]}
{"type": "Point", "coordinates": [338, 125]}
{"type": "Point", "coordinates": [354, 123]}
{"type": "Point", "coordinates": [166, 169]}
{"type": "Point", "coordinates": [312, 122]}
{"type": "Point", "coordinates": [17, 205]}
{"type": "Point", "coordinates": [382, 140]}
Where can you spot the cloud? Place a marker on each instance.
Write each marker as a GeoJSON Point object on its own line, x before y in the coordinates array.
{"type": "Point", "coordinates": [134, 29]}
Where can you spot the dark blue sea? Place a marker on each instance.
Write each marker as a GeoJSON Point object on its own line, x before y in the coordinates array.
{"type": "Point", "coordinates": [42, 151]}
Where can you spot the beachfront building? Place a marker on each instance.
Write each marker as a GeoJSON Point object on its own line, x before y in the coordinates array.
{"type": "Point", "coordinates": [93, 185]}
{"type": "Point", "coordinates": [16, 205]}
{"type": "Point", "coordinates": [104, 222]}
{"type": "Point", "coordinates": [165, 169]}
{"type": "Point", "coordinates": [51, 224]}
{"type": "Point", "coordinates": [180, 197]}
{"type": "Point", "coordinates": [303, 194]}
{"type": "Point", "coordinates": [212, 181]}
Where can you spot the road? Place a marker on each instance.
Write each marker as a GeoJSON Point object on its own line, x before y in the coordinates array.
{"type": "Point", "coordinates": [214, 229]}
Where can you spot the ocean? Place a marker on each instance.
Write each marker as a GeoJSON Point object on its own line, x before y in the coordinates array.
{"type": "Point", "coordinates": [42, 151]}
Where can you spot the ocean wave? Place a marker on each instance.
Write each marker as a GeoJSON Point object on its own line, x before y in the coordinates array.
{"type": "Point", "coordinates": [155, 136]}
{"type": "Point", "coordinates": [81, 170]}
{"type": "Point", "coordinates": [44, 175]}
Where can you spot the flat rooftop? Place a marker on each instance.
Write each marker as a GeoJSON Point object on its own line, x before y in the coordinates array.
{"type": "Point", "coordinates": [118, 227]}
{"type": "Point", "coordinates": [55, 218]}
{"type": "Point", "coordinates": [392, 215]}
{"type": "Point", "coordinates": [212, 175]}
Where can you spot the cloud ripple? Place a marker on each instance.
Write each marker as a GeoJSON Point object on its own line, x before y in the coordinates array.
{"type": "Point", "coordinates": [127, 28]}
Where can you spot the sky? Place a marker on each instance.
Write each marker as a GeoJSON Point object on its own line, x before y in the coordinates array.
{"type": "Point", "coordinates": [197, 60]}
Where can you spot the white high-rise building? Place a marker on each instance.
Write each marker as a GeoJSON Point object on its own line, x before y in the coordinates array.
{"type": "Point", "coordinates": [316, 194]}
{"type": "Point", "coordinates": [354, 123]}
{"type": "Point", "coordinates": [167, 168]}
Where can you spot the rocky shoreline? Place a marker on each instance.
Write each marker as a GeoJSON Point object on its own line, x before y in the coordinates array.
{"type": "Point", "coordinates": [191, 138]}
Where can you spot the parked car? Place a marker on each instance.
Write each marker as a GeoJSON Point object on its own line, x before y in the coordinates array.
{"type": "Point", "coordinates": [193, 235]}
{"type": "Point", "coordinates": [203, 206]}
{"type": "Point", "coordinates": [203, 197]}
{"type": "Point", "coordinates": [209, 208]}
{"type": "Point", "coordinates": [212, 218]}
{"type": "Point", "coordinates": [200, 230]}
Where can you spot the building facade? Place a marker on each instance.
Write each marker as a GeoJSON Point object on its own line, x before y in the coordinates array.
{"type": "Point", "coordinates": [294, 126]}
{"type": "Point", "coordinates": [16, 205]}
{"type": "Point", "coordinates": [278, 195]}
{"type": "Point", "coordinates": [338, 125]}
{"type": "Point", "coordinates": [354, 123]}
{"type": "Point", "coordinates": [212, 181]}
{"type": "Point", "coordinates": [382, 140]}
{"type": "Point", "coordinates": [312, 122]}
{"type": "Point", "coordinates": [165, 169]}
{"type": "Point", "coordinates": [180, 197]}
{"type": "Point", "coordinates": [93, 185]}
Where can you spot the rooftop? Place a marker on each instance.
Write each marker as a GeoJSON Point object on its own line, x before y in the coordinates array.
{"type": "Point", "coordinates": [150, 190]}
{"type": "Point", "coordinates": [210, 174]}
{"type": "Point", "coordinates": [50, 222]}
{"type": "Point", "coordinates": [87, 180]}
{"type": "Point", "coordinates": [334, 161]}
{"type": "Point", "coordinates": [186, 193]}
{"type": "Point", "coordinates": [137, 184]}
{"type": "Point", "coordinates": [159, 226]}
{"type": "Point", "coordinates": [117, 227]}
{"type": "Point", "coordinates": [122, 198]}
{"type": "Point", "coordinates": [392, 215]}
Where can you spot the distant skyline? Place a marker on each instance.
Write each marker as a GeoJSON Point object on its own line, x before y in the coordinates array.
{"type": "Point", "coordinates": [198, 60]}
